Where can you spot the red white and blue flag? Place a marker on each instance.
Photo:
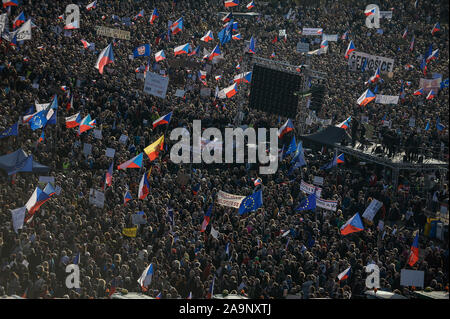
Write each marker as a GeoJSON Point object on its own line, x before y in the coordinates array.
{"type": "Point", "coordinates": [135, 162]}
{"type": "Point", "coordinates": [208, 36]}
{"type": "Point", "coordinates": [215, 52]}
{"type": "Point", "coordinates": [430, 95]}
{"type": "Point", "coordinates": [144, 186]}
{"type": "Point", "coordinates": [345, 274]}
{"type": "Point", "coordinates": [10, 3]}
{"type": "Point", "coordinates": [127, 197]}
{"type": "Point", "coordinates": [228, 92]}
{"type": "Point", "coordinates": [163, 120]}
{"type": "Point", "coordinates": [418, 92]}
{"type": "Point", "coordinates": [182, 49]}
{"type": "Point", "coordinates": [350, 49]}
{"type": "Point", "coordinates": [206, 218]}
{"type": "Point", "coordinates": [231, 3]}
{"type": "Point", "coordinates": [245, 77]}
{"type": "Point", "coordinates": [369, 12]}
{"type": "Point", "coordinates": [366, 98]}
{"type": "Point", "coordinates": [236, 36]}
{"type": "Point", "coordinates": [19, 20]}
{"type": "Point", "coordinates": [436, 28]}
{"type": "Point", "coordinates": [109, 174]}
{"type": "Point", "coordinates": [286, 128]}
{"type": "Point", "coordinates": [434, 55]}
{"type": "Point", "coordinates": [353, 225]}
{"type": "Point", "coordinates": [414, 254]}
{"type": "Point", "coordinates": [140, 14]}
{"type": "Point", "coordinates": [159, 56]}
{"type": "Point", "coordinates": [73, 121]}
{"type": "Point", "coordinates": [154, 15]}
{"type": "Point", "coordinates": [105, 57]}
{"type": "Point", "coordinates": [345, 125]}
{"type": "Point", "coordinates": [211, 289]}
{"type": "Point", "coordinates": [146, 277]}
{"type": "Point", "coordinates": [91, 5]}
{"type": "Point", "coordinates": [251, 48]}
{"type": "Point", "coordinates": [86, 124]}
{"type": "Point", "coordinates": [251, 5]}
{"type": "Point", "coordinates": [177, 26]}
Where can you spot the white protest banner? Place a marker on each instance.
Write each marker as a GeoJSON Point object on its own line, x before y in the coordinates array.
{"type": "Point", "coordinates": [98, 134]}
{"type": "Point", "coordinates": [430, 84]}
{"type": "Point", "coordinates": [318, 180]}
{"type": "Point", "coordinates": [410, 277]}
{"type": "Point", "coordinates": [387, 123]}
{"type": "Point", "coordinates": [330, 37]}
{"type": "Point", "coordinates": [326, 204]}
{"type": "Point", "coordinates": [310, 189]}
{"type": "Point", "coordinates": [386, 14]}
{"type": "Point", "coordinates": [358, 59]}
{"type": "Point", "coordinates": [18, 216]}
{"type": "Point", "coordinates": [372, 209]}
{"type": "Point", "coordinates": [138, 219]}
{"type": "Point", "coordinates": [229, 200]}
{"type": "Point", "coordinates": [282, 33]}
{"type": "Point", "coordinates": [386, 99]}
{"type": "Point", "coordinates": [156, 84]}
{"type": "Point", "coordinates": [3, 22]}
{"type": "Point", "coordinates": [302, 47]}
{"type": "Point", "coordinates": [123, 139]}
{"type": "Point", "coordinates": [312, 31]}
{"type": "Point", "coordinates": [113, 33]}
{"type": "Point", "coordinates": [214, 233]}
{"type": "Point", "coordinates": [110, 152]}
{"type": "Point", "coordinates": [47, 179]}
{"type": "Point", "coordinates": [24, 32]}
{"type": "Point", "coordinates": [179, 93]}
{"type": "Point", "coordinates": [96, 198]}
{"type": "Point", "coordinates": [87, 149]}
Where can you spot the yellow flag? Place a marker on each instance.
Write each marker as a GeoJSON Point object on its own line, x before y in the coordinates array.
{"type": "Point", "coordinates": [153, 149]}
{"type": "Point", "coordinates": [129, 232]}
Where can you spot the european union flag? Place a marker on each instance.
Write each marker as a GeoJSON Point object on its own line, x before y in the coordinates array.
{"type": "Point", "coordinates": [309, 203]}
{"type": "Point", "coordinates": [143, 50]}
{"type": "Point", "coordinates": [225, 35]}
{"type": "Point", "coordinates": [292, 147]}
{"type": "Point", "coordinates": [12, 130]}
{"type": "Point", "coordinates": [444, 84]}
{"type": "Point", "coordinates": [39, 120]}
{"type": "Point", "coordinates": [251, 203]}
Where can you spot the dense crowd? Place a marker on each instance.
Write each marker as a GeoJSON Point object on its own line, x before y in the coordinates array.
{"type": "Point", "coordinates": [261, 263]}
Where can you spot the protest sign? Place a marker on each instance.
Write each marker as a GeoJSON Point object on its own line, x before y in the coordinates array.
{"type": "Point", "coordinates": [372, 209]}
{"type": "Point", "coordinates": [58, 190]}
{"type": "Point", "coordinates": [87, 149]}
{"type": "Point", "coordinates": [110, 152]}
{"type": "Point", "coordinates": [98, 134]}
{"type": "Point", "coordinates": [310, 189]}
{"type": "Point", "coordinates": [312, 31]}
{"type": "Point", "coordinates": [138, 218]}
{"type": "Point", "coordinates": [205, 92]}
{"type": "Point", "coordinates": [179, 93]}
{"type": "Point", "coordinates": [156, 84]}
{"type": "Point", "coordinates": [47, 179]}
{"type": "Point", "coordinates": [330, 37]}
{"type": "Point", "coordinates": [410, 278]}
{"type": "Point", "coordinates": [326, 204]}
{"type": "Point", "coordinates": [113, 33]}
{"type": "Point", "coordinates": [129, 232]}
{"type": "Point", "coordinates": [123, 139]}
{"type": "Point", "coordinates": [357, 59]}
{"type": "Point", "coordinates": [3, 22]}
{"type": "Point", "coordinates": [96, 198]}
{"type": "Point", "coordinates": [412, 122]}
{"type": "Point", "coordinates": [229, 200]}
{"type": "Point", "coordinates": [386, 99]}
{"type": "Point", "coordinates": [430, 84]}
{"type": "Point", "coordinates": [318, 180]}
{"type": "Point", "coordinates": [18, 216]}
{"type": "Point", "coordinates": [302, 47]}
{"type": "Point", "coordinates": [386, 14]}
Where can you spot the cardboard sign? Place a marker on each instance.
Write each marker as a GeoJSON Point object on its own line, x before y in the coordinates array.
{"type": "Point", "coordinates": [372, 209]}
{"type": "Point", "coordinates": [110, 152]}
{"type": "Point", "coordinates": [156, 84]}
{"type": "Point", "coordinates": [98, 134]}
{"type": "Point", "coordinates": [96, 198]}
{"type": "Point", "coordinates": [123, 139]}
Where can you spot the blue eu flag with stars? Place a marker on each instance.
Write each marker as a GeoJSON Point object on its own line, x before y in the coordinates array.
{"type": "Point", "coordinates": [251, 203]}
{"type": "Point", "coordinates": [309, 203]}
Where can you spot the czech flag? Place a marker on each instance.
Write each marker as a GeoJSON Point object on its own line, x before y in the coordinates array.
{"type": "Point", "coordinates": [243, 77]}
{"type": "Point", "coordinates": [409, 67]}
{"type": "Point", "coordinates": [109, 174]}
{"type": "Point", "coordinates": [251, 48]}
{"type": "Point", "coordinates": [37, 199]}
{"type": "Point", "coordinates": [272, 55]}
{"type": "Point", "coordinates": [353, 225]}
{"type": "Point", "coordinates": [146, 277]}
{"type": "Point", "coordinates": [340, 159]}
{"type": "Point", "coordinates": [86, 124]}
{"type": "Point", "coordinates": [19, 20]}
{"type": "Point", "coordinates": [434, 55]}
{"type": "Point", "coordinates": [202, 74]}
{"type": "Point", "coordinates": [423, 66]}
{"type": "Point", "coordinates": [64, 88]}
{"type": "Point", "coordinates": [229, 91]}
{"type": "Point", "coordinates": [374, 78]}
{"type": "Point", "coordinates": [182, 49]}
{"type": "Point", "coordinates": [154, 15]}
{"type": "Point", "coordinates": [140, 14]}
{"type": "Point", "coordinates": [163, 120]}
{"type": "Point", "coordinates": [91, 5]}
{"type": "Point", "coordinates": [345, 125]}
{"type": "Point", "coordinates": [135, 162]}
{"type": "Point", "coordinates": [345, 274]}
{"type": "Point", "coordinates": [369, 12]}
{"type": "Point", "coordinates": [127, 197]}
{"type": "Point", "coordinates": [158, 296]}
{"type": "Point", "coordinates": [144, 186]}
{"type": "Point", "coordinates": [105, 57]}
{"type": "Point", "coordinates": [72, 26]}
{"type": "Point", "coordinates": [10, 3]}
{"type": "Point", "coordinates": [344, 36]}
{"type": "Point", "coordinates": [153, 149]}
{"type": "Point", "coordinates": [206, 219]}
{"type": "Point", "coordinates": [257, 182]}
{"type": "Point", "coordinates": [228, 17]}
{"type": "Point", "coordinates": [42, 137]}
{"type": "Point", "coordinates": [366, 98]}
{"type": "Point", "coordinates": [208, 36]}
{"type": "Point", "coordinates": [196, 189]}
{"type": "Point", "coordinates": [231, 3]}
{"type": "Point", "coordinates": [405, 33]}
{"type": "Point", "coordinates": [85, 44]}
{"type": "Point", "coordinates": [414, 254]}
{"type": "Point", "coordinates": [177, 26]}
{"type": "Point", "coordinates": [286, 128]}
{"type": "Point", "coordinates": [195, 51]}
{"type": "Point", "coordinates": [436, 28]}
{"type": "Point", "coordinates": [211, 287]}
{"type": "Point", "coordinates": [215, 52]}
{"type": "Point", "coordinates": [73, 121]}
{"type": "Point", "coordinates": [430, 95]}
{"type": "Point", "coordinates": [418, 92]}
{"type": "Point", "coordinates": [251, 5]}
{"type": "Point", "coordinates": [218, 77]}
{"type": "Point", "coordinates": [159, 56]}
{"type": "Point", "coordinates": [236, 36]}
{"type": "Point", "coordinates": [350, 49]}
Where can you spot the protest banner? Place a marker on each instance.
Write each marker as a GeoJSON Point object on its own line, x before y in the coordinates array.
{"type": "Point", "coordinates": [330, 37]}
{"type": "Point", "coordinates": [386, 14]}
{"type": "Point", "coordinates": [156, 84]}
{"type": "Point", "coordinates": [310, 189]}
{"type": "Point", "coordinates": [96, 198]}
{"type": "Point", "coordinates": [229, 200]}
{"type": "Point", "coordinates": [372, 209]}
{"type": "Point", "coordinates": [87, 149]}
{"type": "Point", "coordinates": [138, 219]}
{"type": "Point", "coordinates": [18, 216]}
{"type": "Point", "coordinates": [386, 99]}
{"type": "Point", "coordinates": [302, 47]}
{"type": "Point", "coordinates": [3, 22]}
{"type": "Point", "coordinates": [113, 33]}
{"type": "Point", "coordinates": [326, 204]}
{"type": "Point", "coordinates": [430, 84]}
{"type": "Point", "coordinates": [357, 59]}
{"type": "Point", "coordinates": [312, 31]}
{"type": "Point", "coordinates": [179, 93]}
{"type": "Point", "coordinates": [129, 232]}
{"type": "Point", "coordinates": [123, 139]}
{"type": "Point", "coordinates": [47, 179]}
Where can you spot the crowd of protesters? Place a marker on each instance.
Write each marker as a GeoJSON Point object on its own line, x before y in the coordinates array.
{"type": "Point", "coordinates": [260, 263]}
